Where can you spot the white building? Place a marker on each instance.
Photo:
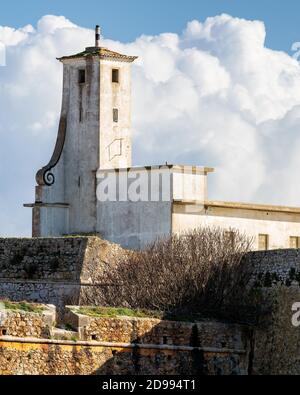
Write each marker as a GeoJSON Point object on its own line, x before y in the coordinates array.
{"type": "Point", "coordinates": [82, 189]}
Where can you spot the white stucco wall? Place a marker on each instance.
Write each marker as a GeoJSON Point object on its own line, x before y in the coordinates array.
{"type": "Point", "coordinates": [133, 220]}
{"type": "Point", "coordinates": [115, 137]}
{"type": "Point", "coordinates": [93, 141]}
{"type": "Point", "coordinates": [279, 226]}
{"type": "Point", "coordinates": [189, 183]}
{"type": "Point", "coordinates": [135, 224]}
{"type": "Point", "coordinates": [81, 150]}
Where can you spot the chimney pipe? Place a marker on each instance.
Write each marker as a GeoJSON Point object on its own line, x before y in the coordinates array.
{"type": "Point", "coordinates": [97, 36]}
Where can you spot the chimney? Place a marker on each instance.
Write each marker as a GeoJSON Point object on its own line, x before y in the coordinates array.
{"type": "Point", "coordinates": [97, 36]}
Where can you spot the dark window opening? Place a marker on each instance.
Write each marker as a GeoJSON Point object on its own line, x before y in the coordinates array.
{"type": "Point", "coordinates": [94, 337]}
{"type": "Point", "coordinates": [3, 332]}
{"type": "Point", "coordinates": [80, 110]}
{"type": "Point", "coordinates": [116, 115]}
{"type": "Point", "coordinates": [165, 339]}
{"type": "Point", "coordinates": [115, 76]}
{"type": "Point", "coordinates": [81, 77]}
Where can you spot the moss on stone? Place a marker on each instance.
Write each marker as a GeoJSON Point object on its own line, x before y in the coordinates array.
{"type": "Point", "coordinates": [112, 312]}
{"type": "Point", "coordinates": [22, 306]}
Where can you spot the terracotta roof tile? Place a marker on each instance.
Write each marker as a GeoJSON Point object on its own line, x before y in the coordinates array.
{"type": "Point", "coordinates": [102, 52]}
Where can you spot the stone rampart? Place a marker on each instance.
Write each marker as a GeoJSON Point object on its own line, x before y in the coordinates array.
{"type": "Point", "coordinates": [58, 271]}
{"type": "Point", "coordinates": [28, 346]}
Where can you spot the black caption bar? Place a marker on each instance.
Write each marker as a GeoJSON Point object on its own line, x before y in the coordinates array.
{"type": "Point", "coordinates": [90, 385]}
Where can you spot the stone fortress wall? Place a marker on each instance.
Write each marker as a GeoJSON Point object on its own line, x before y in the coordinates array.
{"type": "Point", "coordinates": [59, 271]}
{"type": "Point", "coordinates": [64, 271]}
{"type": "Point", "coordinates": [30, 344]}
{"type": "Point", "coordinates": [276, 343]}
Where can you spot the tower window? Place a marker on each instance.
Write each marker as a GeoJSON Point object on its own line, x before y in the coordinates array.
{"type": "Point", "coordinates": [81, 76]}
{"type": "Point", "coordinates": [116, 75]}
{"type": "Point", "coordinates": [116, 115]}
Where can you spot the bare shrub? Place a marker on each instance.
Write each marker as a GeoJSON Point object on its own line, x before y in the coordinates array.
{"type": "Point", "coordinates": [200, 272]}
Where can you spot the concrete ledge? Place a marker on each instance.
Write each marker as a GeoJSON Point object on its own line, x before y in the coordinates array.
{"type": "Point", "coordinates": [239, 206]}
{"type": "Point", "coordinates": [46, 205]}
{"type": "Point", "coordinates": [188, 169]}
{"type": "Point", "coordinates": [10, 339]}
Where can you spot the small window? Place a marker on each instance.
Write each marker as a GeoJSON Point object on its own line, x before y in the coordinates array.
{"type": "Point", "coordinates": [81, 77]}
{"type": "Point", "coordinates": [115, 76]}
{"type": "Point", "coordinates": [116, 115]}
{"type": "Point", "coordinates": [3, 332]}
{"type": "Point", "coordinates": [263, 242]}
{"type": "Point", "coordinates": [294, 242]}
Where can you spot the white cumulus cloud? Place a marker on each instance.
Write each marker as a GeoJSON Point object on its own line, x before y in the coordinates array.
{"type": "Point", "coordinates": [213, 95]}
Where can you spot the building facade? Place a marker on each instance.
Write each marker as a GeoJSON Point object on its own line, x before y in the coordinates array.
{"type": "Point", "coordinates": [89, 186]}
{"type": "Point", "coordinates": [174, 199]}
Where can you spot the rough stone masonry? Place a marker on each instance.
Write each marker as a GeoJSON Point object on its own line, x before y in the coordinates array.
{"type": "Point", "coordinates": [32, 345]}
{"type": "Point", "coordinates": [59, 271]}
{"type": "Point", "coordinates": [66, 271]}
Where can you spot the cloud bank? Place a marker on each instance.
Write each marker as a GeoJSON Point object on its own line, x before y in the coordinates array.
{"type": "Point", "coordinates": [214, 96]}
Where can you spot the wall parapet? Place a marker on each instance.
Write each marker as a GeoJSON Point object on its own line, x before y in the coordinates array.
{"type": "Point", "coordinates": [137, 330]}
{"type": "Point", "coordinates": [277, 267]}
{"type": "Point", "coordinates": [19, 323]}
{"type": "Point", "coordinates": [60, 271]}
{"type": "Point", "coordinates": [31, 346]}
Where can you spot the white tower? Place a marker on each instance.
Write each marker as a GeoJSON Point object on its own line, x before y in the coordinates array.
{"type": "Point", "coordinates": [94, 133]}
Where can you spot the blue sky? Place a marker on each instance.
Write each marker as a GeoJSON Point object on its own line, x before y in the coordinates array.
{"type": "Point", "coordinates": [127, 19]}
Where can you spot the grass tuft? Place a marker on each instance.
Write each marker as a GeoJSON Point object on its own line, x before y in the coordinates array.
{"type": "Point", "coordinates": [22, 306]}
{"type": "Point", "coordinates": [113, 312]}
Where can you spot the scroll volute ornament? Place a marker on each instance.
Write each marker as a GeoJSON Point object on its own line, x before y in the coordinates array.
{"type": "Point", "coordinates": [44, 175]}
